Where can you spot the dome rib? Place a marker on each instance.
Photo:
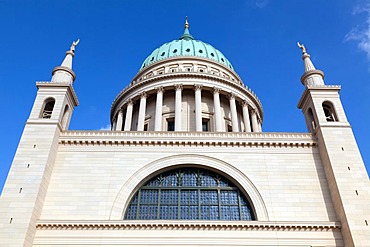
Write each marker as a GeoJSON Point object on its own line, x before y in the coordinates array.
{"type": "Point", "coordinates": [181, 46]}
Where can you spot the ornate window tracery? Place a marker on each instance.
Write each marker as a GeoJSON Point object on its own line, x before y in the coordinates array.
{"type": "Point", "coordinates": [189, 194]}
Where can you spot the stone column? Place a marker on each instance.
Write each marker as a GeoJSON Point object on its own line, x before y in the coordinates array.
{"type": "Point", "coordinates": [246, 119]}
{"type": "Point", "coordinates": [178, 103]}
{"type": "Point", "coordinates": [142, 109]}
{"type": "Point", "coordinates": [158, 109]}
{"type": "Point", "coordinates": [234, 117]}
{"type": "Point", "coordinates": [216, 103]}
{"type": "Point", "coordinates": [114, 127]}
{"type": "Point", "coordinates": [128, 120]}
{"type": "Point", "coordinates": [259, 125]}
{"type": "Point", "coordinates": [254, 121]}
{"type": "Point", "coordinates": [119, 120]}
{"type": "Point", "coordinates": [198, 107]}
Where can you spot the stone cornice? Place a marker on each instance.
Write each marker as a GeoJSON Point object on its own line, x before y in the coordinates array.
{"type": "Point", "coordinates": [62, 85]}
{"type": "Point", "coordinates": [187, 225]}
{"type": "Point", "coordinates": [313, 88]}
{"type": "Point", "coordinates": [158, 138]}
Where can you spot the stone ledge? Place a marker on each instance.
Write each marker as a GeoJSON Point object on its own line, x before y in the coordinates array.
{"type": "Point", "coordinates": [187, 225]}
{"type": "Point", "coordinates": [239, 139]}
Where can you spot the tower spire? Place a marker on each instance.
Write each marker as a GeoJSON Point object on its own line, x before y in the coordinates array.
{"type": "Point", "coordinates": [186, 35]}
{"type": "Point", "coordinates": [311, 76]}
{"type": "Point", "coordinates": [64, 72]}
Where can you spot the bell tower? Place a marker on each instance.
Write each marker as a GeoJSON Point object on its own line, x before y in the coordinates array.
{"type": "Point", "coordinates": [25, 188]}
{"type": "Point", "coordinates": [344, 168]}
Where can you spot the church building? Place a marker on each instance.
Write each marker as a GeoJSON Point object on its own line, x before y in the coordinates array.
{"type": "Point", "coordinates": [186, 163]}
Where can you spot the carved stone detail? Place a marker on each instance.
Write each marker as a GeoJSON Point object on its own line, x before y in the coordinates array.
{"type": "Point", "coordinates": [178, 86]}
{"type": "Point", "coordinates": [143, 95]}
{"type": "Point", "coordinates": [159, 89]}
{"type": "Point", "coordinates": [198, 87]}
{"type": "Point", "coordinates": [216, 90]}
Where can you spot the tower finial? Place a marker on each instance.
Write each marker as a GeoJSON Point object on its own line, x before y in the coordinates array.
{"type": "Point", "coordinates": [302, 47]}
{"type": "Point", "coordinates": [311, 75]}
{"type": "Point", "coordinates": [186, 35]}
{"type": "Point", "coordinates": [186, 22]}
{"type": "Point", "coordinates": [74, 44]}
{"type": "Point", "coordinates": [64, 72]}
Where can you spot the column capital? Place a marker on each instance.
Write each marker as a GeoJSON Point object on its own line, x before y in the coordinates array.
{"type": "Point", "coordinates": [245, 103]}
{"type": "Point", "coordinates": [178, 87]}
{"type": "Point", "coordinates": [216, 90]}
{"type": "Point", "coordinates": [198, 87]}
{"type": "Point", "coordinates": [159, 89]}
{"type": "Point", "coordinates": [254, 111]}
{"type": "Point", "coordinates": [129, 101]}
{"type": "Point", "coordinates": [231, 95]}
{"type": "Point", "coordinates": [143, 95]}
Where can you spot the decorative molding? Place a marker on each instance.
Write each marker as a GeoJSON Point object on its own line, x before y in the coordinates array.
{"type": "Point", "coordinates": [186, 225]}
{"type": "Point", "coordinates": [207, 139]}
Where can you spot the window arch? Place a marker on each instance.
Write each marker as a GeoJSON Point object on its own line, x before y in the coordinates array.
{"type": "Point", "coordinates": [47, 110]}
{"type": "Point", "coordinates": [65, 118]}
{"type": "Point", "coordinates": [329, 112]}
{"type": "Point", "coordinates": [311, 120]}
{"type": "Point", "coordinates": [189, 194]}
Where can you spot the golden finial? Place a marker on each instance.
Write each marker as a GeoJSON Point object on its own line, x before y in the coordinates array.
{"type": "Point", "coordinates": [186, 23]}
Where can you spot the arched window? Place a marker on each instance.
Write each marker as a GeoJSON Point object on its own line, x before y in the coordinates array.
{"type": "Point", "coordinates": [329, 112]}
{"type": "Point", "coordinates": [189, 194]}
{"type": "Point", "coordinates": [65, 118]}
{"type": "Point", "coordinates": [48, 108]}
{"type": "Point", "coordinates": [311, 120]}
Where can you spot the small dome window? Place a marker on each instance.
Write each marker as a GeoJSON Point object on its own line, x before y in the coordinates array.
{"type": "Point", "coordinates": [200, 51]}
{"type": "Point", "coordinates": [222, 60]}
{"type": "Point", "coordinates": [188, 50]}
{"type": "Point", "coordinates": [152, 59]}
{"type": "Point", "coordinates": [174, 51]}
{"type": "Point", "coordinates": [212, 55]}
{"type": "Point", "coordinates": [163, 54]}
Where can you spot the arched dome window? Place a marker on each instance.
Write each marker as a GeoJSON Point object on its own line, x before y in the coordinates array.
{"type": "Point", "coordinates": [189, 194]}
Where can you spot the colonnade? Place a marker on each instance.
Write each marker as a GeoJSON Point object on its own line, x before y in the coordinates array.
{"type": "Point", "coordinates": [250, 119]}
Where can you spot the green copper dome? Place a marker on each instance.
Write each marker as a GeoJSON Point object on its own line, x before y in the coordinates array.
{"type": "Point", "coordinates": [186, 46]}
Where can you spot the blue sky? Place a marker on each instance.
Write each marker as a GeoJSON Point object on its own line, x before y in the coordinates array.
{"type": "Point", "coordinates": [258, 37]}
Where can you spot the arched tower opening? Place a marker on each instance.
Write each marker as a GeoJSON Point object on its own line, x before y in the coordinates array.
{"type": "Point", "coordinates": [47, 109]}
{"type": "Point", "coordinates": [66, 117]}
{"type": "Point", "coordinates": [329, 111]}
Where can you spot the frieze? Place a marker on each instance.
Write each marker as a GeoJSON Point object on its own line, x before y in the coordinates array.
{"type": "Point", "coordinates": [192, 226]}
{"type": "Point", "coordinates": [206, 139]}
